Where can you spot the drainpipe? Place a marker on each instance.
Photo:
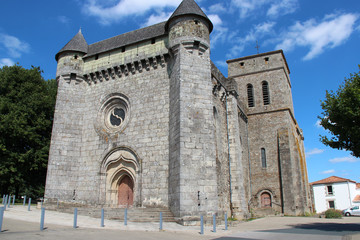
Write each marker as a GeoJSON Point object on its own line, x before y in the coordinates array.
{"type": "Point", "coordinates": [248, 148]}
{"type": "Point", "coordinates": [229, 158]}
{"type": "Point", "coordinates": [349, 194]}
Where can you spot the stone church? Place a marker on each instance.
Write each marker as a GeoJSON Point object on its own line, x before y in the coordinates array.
{"type": "Point", "coordinates": [145, 119]}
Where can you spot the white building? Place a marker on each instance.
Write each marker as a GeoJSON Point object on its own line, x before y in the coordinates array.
{"type": "Point", "coordinates": [335, 192]}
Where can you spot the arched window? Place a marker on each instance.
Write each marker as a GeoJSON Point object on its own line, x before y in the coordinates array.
{"type": "Point", "coordinates": [250, 93]}
{"type": "Point", "coordinates": [263, 157]}
{"type": "Point", "coordinates": [266, 95]}
{"type": "Point", "coordinates": [265, 200]}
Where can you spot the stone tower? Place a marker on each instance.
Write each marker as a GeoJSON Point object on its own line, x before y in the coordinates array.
{"type": "Point", "coordinates": [145, 119]}
{"type": "Point", "coordinates": [191, 132]}
{"type": "Point", "coordinates": [278, 168]}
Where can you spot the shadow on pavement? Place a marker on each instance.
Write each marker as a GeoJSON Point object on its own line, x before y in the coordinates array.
{"type": "Point", "coordinates": [336, 227]}
{"type": "Point", "coordinates": [234, 238]}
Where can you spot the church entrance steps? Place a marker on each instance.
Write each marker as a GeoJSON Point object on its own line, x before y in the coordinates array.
{"type": "Point", "coordinates": [133, 214]}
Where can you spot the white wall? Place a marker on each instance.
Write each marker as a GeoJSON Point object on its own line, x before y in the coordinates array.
{"type": "Point", "coordinates": [343, 194]}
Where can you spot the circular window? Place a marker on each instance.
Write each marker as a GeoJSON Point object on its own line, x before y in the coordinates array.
{"type": "Point", "coordinates": [114, 113]}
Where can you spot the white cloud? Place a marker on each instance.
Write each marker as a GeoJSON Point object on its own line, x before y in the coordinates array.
{"type": "Point", "coordinates": [217, 8]}
{"type": "Point", "coordinates": [328, 171]}
{"type": "Point", "coordinates": [13, 45]}
{"type": "Point", "coordinates": [220, 32]}
{"type": "Point", "coordinates": [274, 8]}
{"type": "Point", "coordinates": [112, 11]}
{"type": "Point", "coordinates": [63, 19]}
{"type": "Point", "coordinates": [153, 19]}
{"type": "Point", "coordinates": [349, 159]}
{"type": "Point", "coordinates": [331, 32]}
{"type": "Point", "coordinates": [6, 62]}
{"type": "Point", "coordinates": [282, 8]}
{"type": "Point", "coordinates": [314, 152]}
{"type": "Point", "coordinates": [257, 32]}
{"type": "Point", "coordinates": [317, 124]}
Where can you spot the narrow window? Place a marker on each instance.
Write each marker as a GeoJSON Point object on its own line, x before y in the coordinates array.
{"type": "Point", "coordinates": [153, 41]}
{"type": "Point", "coordinates": [196, 44]}
{"type": "Point", "coordinates": [330, 190]}
{"type": "Point", "coordinates": [96, 56]}
{"type": "Point", "coordinates": [263, 157]}
{"type": "Point", "coordinates": [250, 93]}
{"type": "Point", "coordinates": [266, 60]}
{"type": "Point", "coordinates": [332, 204]}
{"type": "Point", "coordinates": [242, 64]}
{"type": "Point", "coordinates": [123, 49]}
{"type": "Point", "coordinates": [265, 90]}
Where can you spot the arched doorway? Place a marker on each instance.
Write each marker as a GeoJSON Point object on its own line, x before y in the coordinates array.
{"type": "Point", "coordinates": [126, 192]}
{"type": "Point", "coordinates": [265, 200]}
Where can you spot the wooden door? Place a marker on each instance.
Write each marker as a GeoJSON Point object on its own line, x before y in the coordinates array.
{"type": "Point", "coordinates": [126, 192]}
{"type": "Point", "coordinates": [265, 200]}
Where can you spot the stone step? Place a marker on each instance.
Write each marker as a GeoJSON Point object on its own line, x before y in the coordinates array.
{"type": "Point", "coordinates": [133, 214]}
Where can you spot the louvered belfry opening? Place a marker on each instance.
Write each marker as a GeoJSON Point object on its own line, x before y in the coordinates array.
{"type": "Point", "coordinates": [266, 95]}
{"type": "Point", "coordinates": [250, 92]}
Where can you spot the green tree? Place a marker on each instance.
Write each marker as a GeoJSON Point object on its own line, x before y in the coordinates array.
{"type": "Point", "coordinates": [341, 116]}
{"type": "Point", "coordinates": [27, 104]}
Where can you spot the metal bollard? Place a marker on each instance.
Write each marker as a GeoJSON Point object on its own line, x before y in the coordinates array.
{"type": "Point", "coordinates": [161, 221]}
{"type": "Point", "coordinates": [24, 201]}
{"type": "Point", "coordinates": [29, 204]}
{"type": "Point", "coordinates": [9, 201]}
{"type": "Point", "coordinates": [3, 199]}
{"type": "Point", "coordinates": [2, 209]}
{"type": "Point", "coordinates": [13, 200]}
{"type": "Point", "coordinates": [102, 218]}
{"type": "Point", "coordinates": [226, 222]}
{"type": "Point", "coordinates": [75, 217]}
{"type": "Point", "coordinates": [214, 223]}
{"type": "Point", "coordinates": [125, 217]}
{"type": "Point", "coordinates": [201, 225]}
{"type": "Point", "coordinates": [5, 202]}
{"type": "Point", "coordinates": [42, 219]}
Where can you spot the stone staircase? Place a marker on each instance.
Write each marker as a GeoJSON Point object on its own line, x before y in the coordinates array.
{"type": "Point", "coordinates": [133, 214]}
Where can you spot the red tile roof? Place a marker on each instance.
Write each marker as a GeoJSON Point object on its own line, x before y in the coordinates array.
{"type": "Point", "coordinates": [332, 179]}
{"type": "Point", "coordinates": [357, 198]}
{"type": "Point", "coordinates": [358, 185]}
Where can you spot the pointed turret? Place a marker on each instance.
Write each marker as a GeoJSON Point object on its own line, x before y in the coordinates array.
{"type": "Point", "coordinates": [76, 44]}
{"type": "Point", "coordinates": [189, 8]}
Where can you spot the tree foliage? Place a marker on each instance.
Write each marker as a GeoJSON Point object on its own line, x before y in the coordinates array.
{"type": "Point", "coordinates": [27, 104]}
{"type": "Point", "coordinates": [341, 116]}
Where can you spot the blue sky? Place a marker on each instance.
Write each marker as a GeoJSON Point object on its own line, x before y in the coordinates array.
{"type": "Point", "coordinates": [320, 40]}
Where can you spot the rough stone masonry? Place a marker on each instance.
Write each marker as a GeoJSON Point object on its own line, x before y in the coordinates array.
{"type": "Point", "coordinates": [145, 119]}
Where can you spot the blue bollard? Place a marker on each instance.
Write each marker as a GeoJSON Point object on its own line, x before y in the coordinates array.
{"type": "Point", "coordinates": [125, 217]}
{"type": "Point", "coordinates": [161, 221]}
{"type": "Point", "coordinates": [2, 209]}
{"type": "Point", "coordinates": [42, 219]}
{"type": "Point", "coordinates": [5, 202]}
{"type": "Point", "coordinates": [9, 201]}
{"type": "Point", "coordinates": [226, 222]}
{"type": "Point", "coordinates": [201, 225]}
{"type": "Point", "coordinates": [29, 204]}
{"type": "Point", "coordinates": [24, 200]}
{"type": "Point", "coordinates": [13, 200]}
{"type": "Point", "coordinates": [102, 218]}
{"type": "Point", "coordinates": [75, 217]}
{"type": "Point", "coordinates": [214, 223]}
{"type": "Point", "coordinates": [3, 199]}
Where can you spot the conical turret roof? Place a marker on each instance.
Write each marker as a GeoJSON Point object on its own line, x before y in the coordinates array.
{"type": "Point", "coordinates": [189, 7]}
{"type": "Point", "coordinates": [76, 44]}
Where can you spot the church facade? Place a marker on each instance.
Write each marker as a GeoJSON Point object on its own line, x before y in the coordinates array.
{"type": "Point", "coordinates": [145, 119]}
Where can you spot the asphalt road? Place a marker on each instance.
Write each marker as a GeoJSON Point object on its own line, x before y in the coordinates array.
{"type": "Point", "coordinates": [21, 224]}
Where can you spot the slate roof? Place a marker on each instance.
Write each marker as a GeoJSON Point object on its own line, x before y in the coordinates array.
{"type": "Point", "coordinates": [357, 198]}
{"type": "Point", "coordinates": [122, 40]}
{"type": "Point", "coordinates": [76, 44]}
{"type": "Point", "coordinates": [189, 7]}
{"type": "Point", "coordinates": [332, 179]}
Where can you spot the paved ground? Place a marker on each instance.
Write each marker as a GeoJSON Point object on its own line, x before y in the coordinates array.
{"type": "Point", "coordinates": [22, 224]}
